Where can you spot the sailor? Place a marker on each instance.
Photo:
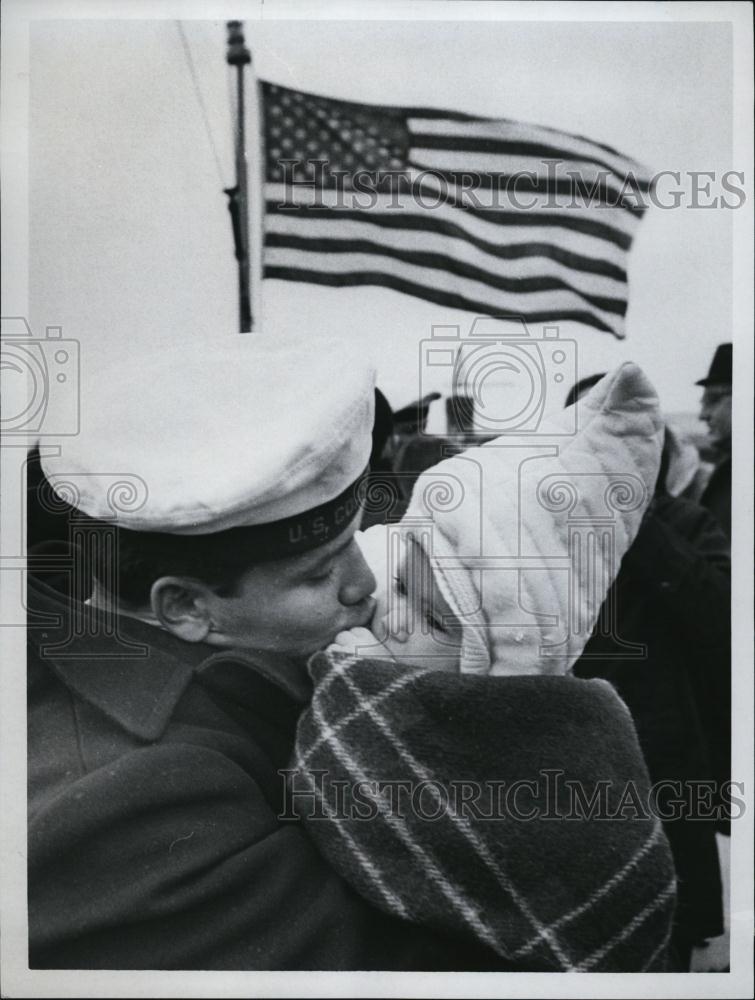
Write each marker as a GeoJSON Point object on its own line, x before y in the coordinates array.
{"type": "Point", "coordinates": [218, 502]}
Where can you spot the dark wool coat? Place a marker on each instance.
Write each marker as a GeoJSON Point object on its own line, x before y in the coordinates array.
{"type": "Point", "coordinates": [154, 793]}
{"type": "Point", "coordinates": [672, 597]}
{"type": "Point", "coordinates": [716, 496]}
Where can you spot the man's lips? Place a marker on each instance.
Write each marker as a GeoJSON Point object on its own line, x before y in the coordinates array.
{"type": "Point", "coordinates": [363, 613]}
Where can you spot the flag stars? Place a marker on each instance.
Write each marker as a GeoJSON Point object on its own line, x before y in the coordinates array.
{"type": "Point", "coordinates": [347, 139]}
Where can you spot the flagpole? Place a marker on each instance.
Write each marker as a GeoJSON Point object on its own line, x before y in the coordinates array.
{"type": "Point", "coordinates": [238, 55]}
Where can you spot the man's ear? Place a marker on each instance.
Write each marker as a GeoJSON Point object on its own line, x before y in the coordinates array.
{"type": "Point", "coordinates": [182, 606]}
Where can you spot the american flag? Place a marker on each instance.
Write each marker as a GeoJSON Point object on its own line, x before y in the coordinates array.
{"type": "Point", "coordinates": [490, 216]}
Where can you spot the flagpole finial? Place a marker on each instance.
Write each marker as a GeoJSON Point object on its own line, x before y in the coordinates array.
{"type": "Point", "coordinates": [238, 53]}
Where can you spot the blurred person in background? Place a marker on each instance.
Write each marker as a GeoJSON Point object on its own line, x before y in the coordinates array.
{"type": "Point", "coordinates": [715, 411]}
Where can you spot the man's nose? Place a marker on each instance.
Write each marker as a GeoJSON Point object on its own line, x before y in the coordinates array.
{"type": "Point", "coordinates": [358, 579]}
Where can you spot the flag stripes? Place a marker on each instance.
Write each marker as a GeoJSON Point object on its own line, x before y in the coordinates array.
{"type": "Point", "coordinates": [431, 293]}
{"type": "Point", "coordinates": [492, 175]}
{"type": "Point", "coordinates": [445, 262]}
{"type": "Point", "coordinates": [524, 133]}
{"type": "Point", "coordinates": [525, 235]}
{"type": "Point", "coordinates": [511, 157]}
{"type": "Point", "coordinates": [458, 254]}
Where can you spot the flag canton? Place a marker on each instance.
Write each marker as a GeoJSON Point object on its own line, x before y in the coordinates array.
{"type": "Point", "coordinates": [301, 129]}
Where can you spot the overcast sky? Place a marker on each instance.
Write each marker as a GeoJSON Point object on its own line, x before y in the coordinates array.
{"type": "Point", "coordinates": [130, 237]}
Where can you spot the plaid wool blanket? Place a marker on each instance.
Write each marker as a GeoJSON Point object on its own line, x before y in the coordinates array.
{"type": "Point", "coordinates": [517, 810]}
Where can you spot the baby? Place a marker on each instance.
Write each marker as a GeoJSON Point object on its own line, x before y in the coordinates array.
{"type": "Point", "coordinates": [499, 568]}
{"type": "Point", "coordinates": [507, 551]}
{"type": "Point", "coordinates": [415, 622]}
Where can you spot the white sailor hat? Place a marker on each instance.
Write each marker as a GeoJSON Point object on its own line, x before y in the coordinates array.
{"type": "Point", "coordinates": [191, 442]}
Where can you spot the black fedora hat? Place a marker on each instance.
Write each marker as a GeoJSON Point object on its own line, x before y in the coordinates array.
{"type": "Point", "coordinates": [720, 367]}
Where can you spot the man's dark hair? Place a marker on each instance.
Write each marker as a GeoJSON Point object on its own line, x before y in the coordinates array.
{"type": "Point", "coordinates": [582, 386]}
{"type": "Point", "coordinates": [126, 563]}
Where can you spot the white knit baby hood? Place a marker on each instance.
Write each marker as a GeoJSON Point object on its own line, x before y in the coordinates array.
{"type": "Point", "coordinates": [527, 550]}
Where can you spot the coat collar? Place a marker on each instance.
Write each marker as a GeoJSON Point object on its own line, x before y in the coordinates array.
{"type": "Point", "coordinates": [133, 672]}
